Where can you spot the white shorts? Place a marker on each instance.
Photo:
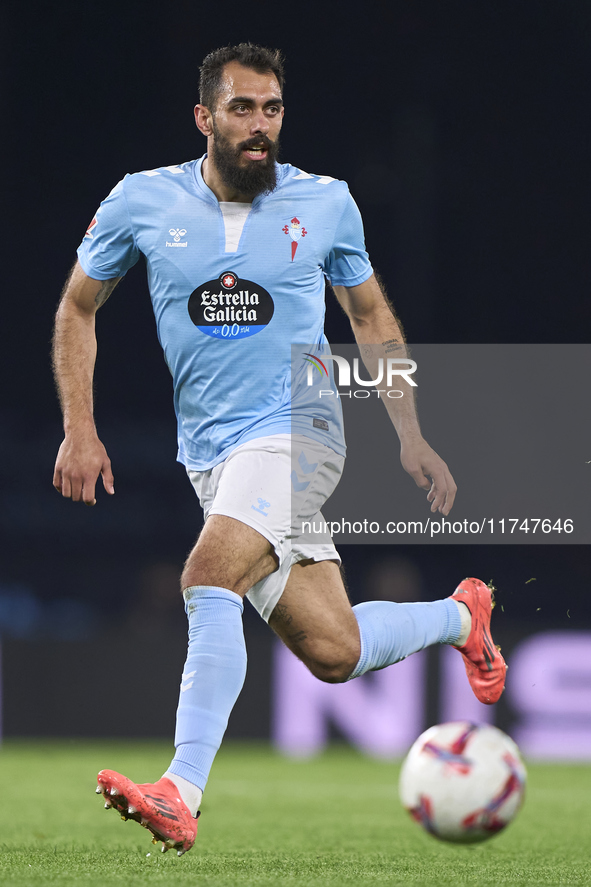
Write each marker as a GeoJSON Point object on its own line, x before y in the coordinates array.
{"type": "Point", "coordinates": [274, 484]}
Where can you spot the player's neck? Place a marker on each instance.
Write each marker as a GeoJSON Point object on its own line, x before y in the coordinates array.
{"type": "Point", "coordinates": [223, 192]}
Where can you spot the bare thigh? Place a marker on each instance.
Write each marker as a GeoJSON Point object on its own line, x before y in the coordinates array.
{"type": "Point", "coordinates": [313, 617]}
{"type": "Point", "coordinates": [229, 554]}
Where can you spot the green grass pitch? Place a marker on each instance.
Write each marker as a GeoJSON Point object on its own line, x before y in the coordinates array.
{"type": "Point", "coordinates": [268, 821]}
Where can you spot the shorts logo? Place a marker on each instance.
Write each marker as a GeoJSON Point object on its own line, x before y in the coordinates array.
{"type": "Point", "coordinates": [295, 231]}
{"type": "Point", "coordinates": [230, 307]}
{"type": "Point", "coordinates": [177, 234]}
{"type": "Point", "coordinates": [262, 504]}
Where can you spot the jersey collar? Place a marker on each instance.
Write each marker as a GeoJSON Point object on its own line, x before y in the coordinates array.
{"type": "Point", "coordinates": [206, 191]}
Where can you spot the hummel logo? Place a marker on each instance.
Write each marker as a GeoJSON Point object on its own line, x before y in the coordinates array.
{"type": "Point", "coordinates": [262, 505]}
{"type": "Point", "coordinates": [184, 678]}
{"type": "Point", "coordinates": [176, 234]}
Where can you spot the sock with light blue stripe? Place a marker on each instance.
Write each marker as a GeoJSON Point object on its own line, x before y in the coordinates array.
{"type": "Point", "coordinates": [212, 679]}
{"type": "Point", "coordinates": [391, 632]}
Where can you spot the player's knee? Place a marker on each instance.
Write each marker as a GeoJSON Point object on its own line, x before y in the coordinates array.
{"type": "Point", "coordinates": [334, 666]}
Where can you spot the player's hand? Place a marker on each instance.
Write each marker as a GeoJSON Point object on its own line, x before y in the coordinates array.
{"type": "Point", "coordinates": [429, 472]}
{"type": "Point", "coordinates": [80, 461]}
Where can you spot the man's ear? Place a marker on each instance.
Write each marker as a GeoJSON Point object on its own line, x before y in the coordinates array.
{"type": "Point", "coordinates": [204, 120]}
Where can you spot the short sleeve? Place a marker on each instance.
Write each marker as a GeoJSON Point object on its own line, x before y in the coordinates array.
{"type": "Point", "coordinates": [108, 248]}
{"type": "Point", "coordinates": [347, 264]}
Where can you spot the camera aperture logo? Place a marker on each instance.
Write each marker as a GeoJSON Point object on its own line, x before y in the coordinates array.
{"type": "Point", "coordinates": [393, 368]}
{"type": "Point", "coordinates": [316, 363]}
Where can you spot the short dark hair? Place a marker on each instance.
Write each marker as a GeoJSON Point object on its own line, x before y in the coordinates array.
{"type": "Point", "coordinates": [250, 55]}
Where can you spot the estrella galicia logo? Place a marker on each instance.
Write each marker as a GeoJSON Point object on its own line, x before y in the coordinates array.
{"type": "Point", "coordinates": [230, 307]}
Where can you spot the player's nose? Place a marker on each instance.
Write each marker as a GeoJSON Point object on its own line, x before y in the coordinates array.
{"type": "Point", "coordinates": [259, 123]}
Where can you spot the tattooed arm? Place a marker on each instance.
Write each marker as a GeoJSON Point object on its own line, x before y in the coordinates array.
{"type": "Point", "coordinates": [82, 456]}
{"type": "Point", "coordinates": [379, 334]}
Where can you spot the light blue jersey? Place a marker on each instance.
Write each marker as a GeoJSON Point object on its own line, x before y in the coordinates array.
{"type": "Point", "coordinates": [227, 320]}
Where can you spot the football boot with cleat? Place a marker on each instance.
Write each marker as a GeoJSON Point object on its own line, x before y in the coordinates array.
{"type": "Point", "coordinates": [484, 664]}
{"type": "Point", "coordinates": [157, 807]}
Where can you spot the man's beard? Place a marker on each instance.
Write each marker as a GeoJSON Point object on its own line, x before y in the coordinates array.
{"type": "Point", "coordinates": [253, 178]}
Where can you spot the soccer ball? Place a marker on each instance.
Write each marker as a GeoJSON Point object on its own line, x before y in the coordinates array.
{"type": "Point", "coordinates": [463, 782]}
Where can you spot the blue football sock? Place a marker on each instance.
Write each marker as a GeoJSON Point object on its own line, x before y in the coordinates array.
{"type": "Point", "coordinates": [391, 632]}
{"type": "Point", "coordinates": [212, 679]}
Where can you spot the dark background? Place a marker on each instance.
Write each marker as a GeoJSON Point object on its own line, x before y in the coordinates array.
{"type": "Point", "coordinates": [463, 131]}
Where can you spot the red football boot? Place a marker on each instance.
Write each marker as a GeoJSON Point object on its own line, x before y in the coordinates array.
{"type": "Point", "coordinates": [157, 807]}
{"type": "Point", "coordinates": [484, 664]}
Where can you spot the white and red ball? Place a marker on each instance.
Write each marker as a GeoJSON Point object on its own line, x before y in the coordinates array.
{"type": "Point", "coordinates": [463, 782]}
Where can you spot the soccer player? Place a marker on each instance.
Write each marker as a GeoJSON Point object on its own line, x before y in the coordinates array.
{"type": "Point", "coordinates": [238, 247]}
